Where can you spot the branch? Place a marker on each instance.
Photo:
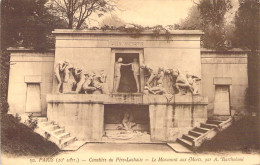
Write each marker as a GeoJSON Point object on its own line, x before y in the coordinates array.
{"type": "Point", "coordinates": [80, 14]}
{"type": "Point", "coordinates": [65, 4]}
{"type": "Point", "coordinates": [195, 2]}
{"type": "Point", "coordinates": [89, 10]}
{"type": "Point", "coordinates": [60, 5]}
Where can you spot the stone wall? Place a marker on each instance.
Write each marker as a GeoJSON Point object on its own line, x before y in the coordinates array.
{"type": "Point", "coordinates": [230, 66]}
{"type": "Point", "coordinates": [95, 50]}
{"type": "Point", "coordinates": [28, 66]}
{"type": "Point", "coordinates": [83, 115]}
{"type": "Point", "coordinates": [26, 62]}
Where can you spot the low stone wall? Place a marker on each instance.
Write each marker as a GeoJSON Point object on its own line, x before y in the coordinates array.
{"type": "Point", "coordinates": [28, 66]}
{"type": "Point", "coordinates": [83, 115]}
{"type": "Point", "coordinates": [231, 65]}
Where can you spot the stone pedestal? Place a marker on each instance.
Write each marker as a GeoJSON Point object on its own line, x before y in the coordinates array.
{"type": "Point", "coordinates": [83, 115]}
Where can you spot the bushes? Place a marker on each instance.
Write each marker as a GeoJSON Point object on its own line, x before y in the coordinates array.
{"type": "Point", "coordinates": [243, 135]}
{"type": "Point", "coordinates": [18, 139]}
{"type": "Point", "coordinates": [4, 105]}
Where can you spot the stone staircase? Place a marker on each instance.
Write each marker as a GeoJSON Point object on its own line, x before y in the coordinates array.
{"type": "Point", "coordinates": [57, 134]}
{"type": "Point", "coordinates": [206, 131]}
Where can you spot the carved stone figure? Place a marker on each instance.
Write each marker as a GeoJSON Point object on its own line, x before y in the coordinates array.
{"type": "Point", "coordinates": [59, 68]}
{"type": "Point", "coordinates": [87, 86]}
{"type": "Point", "coordinates": [169, 81]}
{"type": "Point", "coordinates": [128, 121]}
{"type": "Point", "coordinates": [154, 83]}
{"type": "Point", "coordinates": [156, 75]}
{"type": "Point", "coordinates": [136, 73]}
{"type": "Point", "coordinates": [193, 81]}
{"type": "Point", "coordinates": [117, 74]}
{"type": "Point", "coordinates": [182, 84]}
{"type": "Point", "coordinates": [80, 79]}
{"type": "Point", "coordinates": [99, 81]}
{"type": "Point", "coordinates": [156, 89]}
{"type": "Point", "coordinates": [69, 80]}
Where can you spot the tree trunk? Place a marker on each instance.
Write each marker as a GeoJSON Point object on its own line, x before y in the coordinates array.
{"type": "Point", "coordinates": [70, 25]}
{"type": "Point", "coordinates": [79, 24]}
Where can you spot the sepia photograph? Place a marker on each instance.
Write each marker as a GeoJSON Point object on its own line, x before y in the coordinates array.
{"type": "Point", "coordinates": [129, 82]}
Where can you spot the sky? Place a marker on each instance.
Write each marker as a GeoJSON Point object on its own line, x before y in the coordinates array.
{"type": "Point", "coordinates": [154, 12]}
{"type": "Point", "coordinates": [158, 12]}
{"type": "Point", "coordinates": [149, 12]}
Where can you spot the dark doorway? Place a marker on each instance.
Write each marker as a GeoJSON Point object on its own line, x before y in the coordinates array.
{"type": "Point", "coordinates": [127, 81]}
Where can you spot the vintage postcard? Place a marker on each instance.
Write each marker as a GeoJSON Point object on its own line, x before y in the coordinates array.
{"type": "Point", "coordinates": [130, 82]}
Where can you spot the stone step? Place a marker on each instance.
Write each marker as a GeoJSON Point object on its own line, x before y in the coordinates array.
{"type": "Point", "coordinates": [43, 131]}
{"type": "Point", "coordinates": [63, 135]}
{"type": "Point", "coordinates": [195, 133]}
{"type": "Point", "coordinates": [201, 130]}
{"type": "Point", "coordinates": [188, 137]}
{"type": "Point", "coordinates": [41, 119]}
{"type": "Point", "coordinates": [58, 135]}
{"type": "Point", "coordinates": [52, 127]}
{"type": "Point", "coordinates": [208, 126]}
{"type": "Point", "coordinates": [179, 148]}
{"type": "Point", "coordinates": [45, 123]}
{"type": "Point", "coordinates": [185, 143]}
{"type": "Point", "coordinates": [213, 122]}
{"type": "Point", "coordinates": [58, 131]}
{"type": "Point", "coordinates": [74, 146]}
{"type": "Point", "coordinates": [67, 141]}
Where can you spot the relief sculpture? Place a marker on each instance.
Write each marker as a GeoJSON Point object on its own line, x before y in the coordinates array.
{"type": "Point", "coordinates": [170, 81]}
{"type": "Point", "coordinates": [158, 80]}
{"type": "Point", "coordinates": [73, 79]}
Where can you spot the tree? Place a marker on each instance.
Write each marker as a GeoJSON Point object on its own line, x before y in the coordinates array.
{"type": "Point", "coordinates": [75, 12]}
{"type": "Point", "coordinates": [27, 23]}
{"type": "Point", "coordinates": [24, 23]}
{"type": "Point", "coordinates": [193, 21]}
{"type": "Point", "coordinates": [208, 16]}
{"type": "Point", "coordinates": [247, 25]}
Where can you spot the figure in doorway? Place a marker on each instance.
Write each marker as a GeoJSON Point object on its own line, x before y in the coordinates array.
{"type": "Point", "coordinates": [136, 69]}
{"type": "Point", "coordinates": [117, 74]}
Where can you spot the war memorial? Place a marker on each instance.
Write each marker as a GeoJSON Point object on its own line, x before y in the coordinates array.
{"type": "Point", "coordinates": [112, 86]}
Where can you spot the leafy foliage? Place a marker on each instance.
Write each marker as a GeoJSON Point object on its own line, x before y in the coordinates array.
{"type": "Point", "coordinates": [136, 30]}
{"type": "Point", "coordinates": [208, 16]}
{"type": "Point", "coordinates": [24, 23]}
{"type": "Point", "coordinates": [18, 139]}
{"type": "Point", "coordinates": [243, 32]}
{"type": "Point", "coordinates": [31, 122]}
{"type": "Point", "coordinates": [247, 25]}
{"type": "Point", "coordinates": [27, 23]}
